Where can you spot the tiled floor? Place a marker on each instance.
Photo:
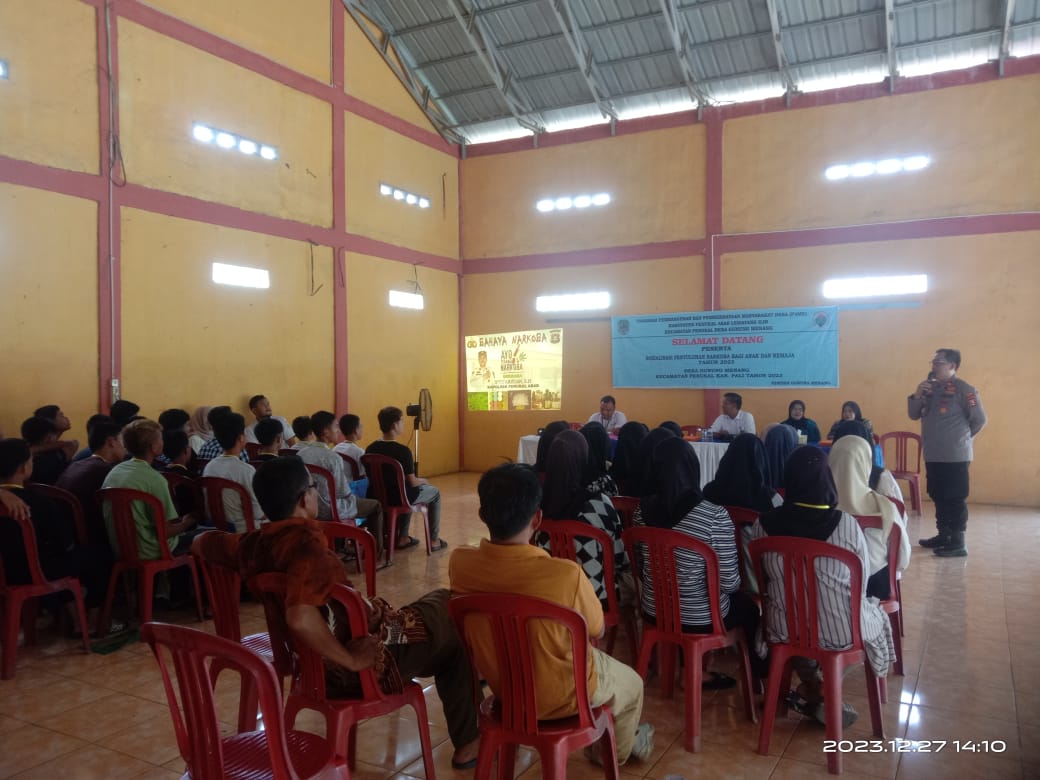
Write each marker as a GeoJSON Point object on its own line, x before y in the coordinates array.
{"type": "Point", "coordinates": [972, 673]}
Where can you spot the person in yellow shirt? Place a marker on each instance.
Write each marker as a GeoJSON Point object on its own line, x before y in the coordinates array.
{"type": "Point", "coordinates": [510, 497]}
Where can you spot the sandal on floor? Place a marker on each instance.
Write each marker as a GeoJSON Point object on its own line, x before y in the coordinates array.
{"type": "Point", "coordinates": [439, 545]}
{"type": "Point", "coordinates": [464, 764]}
{"type": "Point", "coordinates": [718, 682]}
{"type": "Point", "coordinates": [412, 541]}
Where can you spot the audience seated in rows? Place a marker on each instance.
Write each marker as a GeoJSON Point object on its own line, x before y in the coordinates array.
{"type": "Point", "coordinates": [545, 440]}
{"type": "Point", "coordinates": [93, 420]}
{"type": "Point", "coordinates": [302, 430]}
{"type": "Point", "coordinates": [780, 442]}
{"type": "Point", "coordinates": [124, 412]}
{"type": "Point", "coordinates": [676, 503]}
{"type": "Point", "coordinates": [597, 478]}
{"type": "Point", "coordinates": [568, 496]}
{"type": "Point", "coordinates": [60, 553]}
{"type": "Point", "coordinates": [350, 426]}
{"type": "Point", "coordinates": [212, 449]}
{"type": "Point", "coordinates": [742, 478]}
{"type": "Point", "coordinates": [810, 512]}
{"type": "Point", "coordinates": [199, 429]}
{"type": "Point", "coordinates": [261, 409]}
{"type": "Point", "coordinates": [171, 420]}
{"type": "Point", "coordinates": [510, 496]}
{"type": "Point", "coordinates": [50, 456]}
{"type": "Point", "coordinates": [177, 453]}
{"type": "Point", "coordinates": [418, 640]}
{"type": "Point", "coordinates": [366, 511]}
{"type": "Point", "coordinates": [417, 489]}
{"type": "Point", "coordinates": [622, 468]}
{"type": "Point", "coordinates": [85, 477]}
{"type": "Point", "coordinates": [230, 431]}
{"type": "Point", "coordinates": [269, 434]}
{"type": "Point", "coordinates": [643, 472]}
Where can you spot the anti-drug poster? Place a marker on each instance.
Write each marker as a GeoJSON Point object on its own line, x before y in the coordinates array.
{"type": "Point", "coordinates": [515, 371]}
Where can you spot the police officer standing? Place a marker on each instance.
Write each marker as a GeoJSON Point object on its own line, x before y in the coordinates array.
{"type": "Point", "coordinates": [951, 414]}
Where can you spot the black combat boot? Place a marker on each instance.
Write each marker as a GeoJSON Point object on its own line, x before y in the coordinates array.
{"type": "Point", "coordinates": [954, 547]}
{"type": "Point", "coordinates": [939, 540]}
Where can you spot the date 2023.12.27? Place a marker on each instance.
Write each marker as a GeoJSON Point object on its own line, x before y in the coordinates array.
{"type": "Point", "coordinates": [914, 745]}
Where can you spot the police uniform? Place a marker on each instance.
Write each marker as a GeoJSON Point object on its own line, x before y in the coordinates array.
{"type": "Point", "coordinates": [950, 419]}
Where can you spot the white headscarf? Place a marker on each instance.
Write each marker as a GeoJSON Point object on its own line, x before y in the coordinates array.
{"type": "Point", "coordinates": [850, 460]}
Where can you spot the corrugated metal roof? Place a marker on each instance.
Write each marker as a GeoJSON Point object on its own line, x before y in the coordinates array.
{"type": "Point", "coordinates": [726, 51]}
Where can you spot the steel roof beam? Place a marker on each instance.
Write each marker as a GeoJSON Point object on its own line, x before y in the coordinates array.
{"type": "Point", "coordinates": [579, 47]}
{"type": "Point", "coordinates": [418, 91]}
{"type": "Point", "coordinates": [451, 19]}
{"type": "Point", "coordinates": [499, 72]}
{"type": "Point", "coordinates": [890, 43]}
{"type": "Point", "coordinates": [679, 33]}
{"type": "Point", "coordinates": [1008, 7]}
{"type": "Point", "coordinates": [778, 46]}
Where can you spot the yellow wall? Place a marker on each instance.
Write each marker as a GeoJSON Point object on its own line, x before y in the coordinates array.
{"type": "Point", "coordinates": [166, 86]}
{"type": "Point", "coordinates": [48, 263]}
{"type": "Point", "coordinates": [295, 34]}
{"type": "Point", "coordinates": [504, 302]}
{"type": "Point", "coordinates": [368, 78]}
{"type": "Point", "coordinates": [375, 155]}
{"type": "Point", "coordinates": [395, 352]}
{"type": "Point", "coordinates": [981, 301]}
{"type": "Point", "coordinates": [189, 342]}
{"type": "Point", "coordinates": [656, 181]}
{"type": "Point", "coordinates": [48, 106]}
{"type": "Point", "coordinates": [981, 139]}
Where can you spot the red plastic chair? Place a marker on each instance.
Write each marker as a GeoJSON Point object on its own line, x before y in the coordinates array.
{"type": "Point", "coordinates": [577, 426]}
{"type": "Point", "coordinates": [509, 717]}
{"type": "Point", "coordinates": [224, 587]}
{"type": "Point", "coordinates": [563, 541]}
{"type": "Point", "coordinates": [364, 546]}
{"type": "Point", "coordinates": [67, 500]}
{"type": "Point", "coordinates": [252, 450]}
{"type": "Point", "coordinates": [743, 518]}
{"type": "Point", "coordinates": [386, 484]}
{"type": "Point", "coordinates": [122, 501]}
{"type": "Point", "coordinates": [902, 468]}
{"type": "Point", "coordinates": [308, 688]}
{"type": "Point", "coordinates": [626, 507]}
{"type": "Point", "coordinates": [355, 469]}
{"type": "Point", "coordinates": [893, 604]}
{"type": "Point", "coordinates": [213, 488]}
{"type": "Point", "coordinates": [16, 597]}
{"type": "Point", "coordinates": [185, 492]}
{"type": "Point", "coordinates": [275, 752]}
{"type": "Point", "coordinates": [797, 561]}
{"type": "Point", "coordinates": [330, 486]}
{"type": "Point", "coordinates": [659, 546]}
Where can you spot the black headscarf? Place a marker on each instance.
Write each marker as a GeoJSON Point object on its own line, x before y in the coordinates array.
{"type": "Point", "coordinates": [673, 426]}
{"type": "Point", "coordinates": [623, 466]}
{"type": "Point", "coordinates": [808, 485]}
{"type": "Point", "coordinates": [641, 472]}
{"type": "Point", "coordinates": [801, 424]}
{"type": "Point", "coordinates": [549, 432]}
{"type": "Point", "coordinates": [676, 487]}
{"type": "Point", "coordinates": [599, 450]}
{"type": "Point", "coordinates": [781, 441]}
{"type": "Point", "coordinates": [742, 478]}
{"type": "Point", "coordinates": [564, 492]}
{"type": "Point", "coordinates": [858, 428]}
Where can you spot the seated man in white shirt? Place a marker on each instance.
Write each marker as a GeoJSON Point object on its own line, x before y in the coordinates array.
{"type": "Point", "coordinates": [365, 511]}
{"type": "Point", "coordinates": [609, 417]}
{"type": "Point", "coordinates": [229, 429]}
{"type": "Point", "coordinates": [732, 421]}
{"type": "Point", "coordinates": [350, 427]}
{"type": "Point", "coordinates": [261, 409]}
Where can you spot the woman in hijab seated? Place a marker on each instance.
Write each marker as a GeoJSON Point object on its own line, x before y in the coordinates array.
{"type": "Point", "coordinates": [597, 478]}
{"type": "Point", "coordinates": [850, 411]}
{"type": "Point", "coordinates": [781, 441]}
{"type": "Point", "coordinates": [796, 419]}
{"type": "Point", "coordinates": [545, 440]}
{"type": "Point", "coordinates": [566, 497]}
{"type": "Point", "coordinates": [810, 512]}
{"type": "Point", "coordinates": [880, 479]}
{"type": "Point", "coordinates": [622, 469]}
{"type": "Point", "coordinates": [642, 471]}
{"type": "Point", "coordinates": [850, 462]}
{"type": "Point", "coordinates": [677, 504]}
{"type": "Point", "coordinates": [742, 478]}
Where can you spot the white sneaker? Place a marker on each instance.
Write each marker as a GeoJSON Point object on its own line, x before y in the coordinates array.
{"type": "Point", "coordinates": [644, 744]}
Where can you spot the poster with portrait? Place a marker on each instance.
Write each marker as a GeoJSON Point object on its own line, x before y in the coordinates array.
{"type": "Point", "coordinates": [518, 371]}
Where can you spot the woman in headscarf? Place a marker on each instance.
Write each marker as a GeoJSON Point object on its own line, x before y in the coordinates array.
{"type": "Point", "coordinates": [780, 442]}
{"type": "Point", "coordinates": [672, 426]}
{"type": "Point", "coordinates": [796, 419]}
{"type": "Point", "coordinates": [597, 479]}
{"type": "Point", "coordinates": [809, 512]}
{"type": "Point", "coordinates": [626, 456]}
{"type": "Point", "coordinates": [641, 473]}
{"type": "Point", "coordinates": [565, 497]}
{"type": "Point", "coordinates": [881, 479]}
{"type": "Point", "coordinates": [545, 440]}
{"type": "Point", "coordinates": [677, 504]}
{"type": "Point", "coordinates": [850, 461]}
{"type": "Point", "coordinates": [850, 411]}
{"type": "Point", "coordinates": [200, 430]}
{"type": "Point", "coordinates": [742, 478]}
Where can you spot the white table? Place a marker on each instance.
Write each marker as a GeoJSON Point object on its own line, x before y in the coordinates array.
{"type": "Point", "coordinates": [708, 453]}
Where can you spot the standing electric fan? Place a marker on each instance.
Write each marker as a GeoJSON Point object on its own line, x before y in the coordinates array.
{"type": "Point", "coordinates": [423, 414]}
